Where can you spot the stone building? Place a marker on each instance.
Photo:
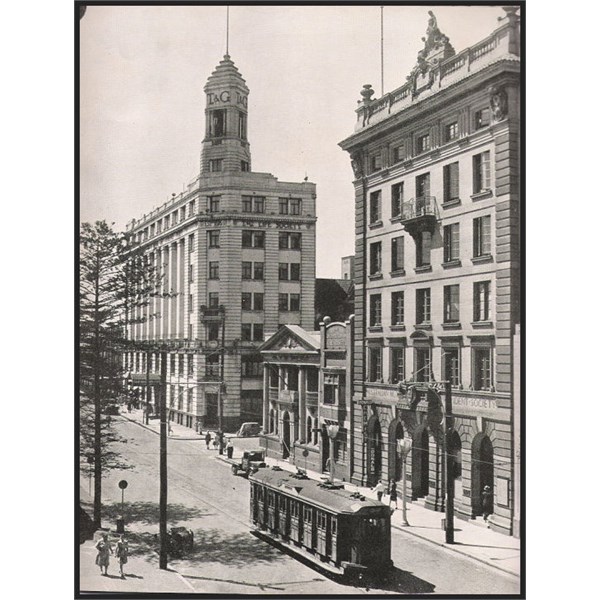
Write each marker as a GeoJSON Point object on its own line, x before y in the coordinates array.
{"type": "Point", "coordinates": [437, 192]}
{"type": "Point", "coordinates": [307, 396]}
{"type": "Point", "coordinates": [236, 251]}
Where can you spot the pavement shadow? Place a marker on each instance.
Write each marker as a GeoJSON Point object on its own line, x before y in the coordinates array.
{"type": "Point", "coordinates": [149, 512]}
{"type": "Point", "coordinates": [239, 549]}
{"type": "Point", "coordinates": [398, 581]}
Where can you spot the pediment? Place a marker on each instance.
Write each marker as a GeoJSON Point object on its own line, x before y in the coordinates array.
{"type": "Point", "coordinates": [287, 341]}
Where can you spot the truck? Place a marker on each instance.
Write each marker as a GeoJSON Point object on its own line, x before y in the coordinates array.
{"type": "Point", "coordinates": [252, 461]}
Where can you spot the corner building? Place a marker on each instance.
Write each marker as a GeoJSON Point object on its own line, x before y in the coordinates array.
{"type": "Point", "coordinates": [236, 252]}
{"type": "Point", "coordinates": [437, 196]}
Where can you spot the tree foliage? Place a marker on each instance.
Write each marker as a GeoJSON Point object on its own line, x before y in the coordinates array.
{"type": "Point", "coordinates": [116, 282]}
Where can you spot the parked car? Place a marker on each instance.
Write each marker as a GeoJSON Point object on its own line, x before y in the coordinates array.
{"type": "Point", "coordinates": [249, 430]}
{"type": "Point", "coordinates": [112, 409]}
{"type": "Point", "coordinates": [252, 461]}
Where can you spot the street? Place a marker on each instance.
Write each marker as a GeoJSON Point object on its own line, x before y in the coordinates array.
{"type": "Point", "coordinates": [205, 497]}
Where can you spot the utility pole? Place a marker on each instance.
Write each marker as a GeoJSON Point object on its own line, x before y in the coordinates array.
{"type": "Point", "coordinates": [449, 463]}
{"type": "Point", "coordinates": [163, 462]}
{"type": "Point", "coordinates": [146, 415]}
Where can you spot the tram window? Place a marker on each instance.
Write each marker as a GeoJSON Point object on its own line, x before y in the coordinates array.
{"type": "Point", "coordinates": [307, 514]}
{"type": "Point", "coordinates": [333, 525]}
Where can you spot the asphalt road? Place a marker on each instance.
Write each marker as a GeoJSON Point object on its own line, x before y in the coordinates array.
{"type": "Point", "coordinates": [205, 497]}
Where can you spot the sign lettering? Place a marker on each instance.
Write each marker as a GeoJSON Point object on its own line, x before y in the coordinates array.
{"type": "Point", "coordinates": [225, 97]}
{"type": "Point", "coordinates": [466, 402]}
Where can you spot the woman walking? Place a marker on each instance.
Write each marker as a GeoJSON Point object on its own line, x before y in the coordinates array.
{"type": "Point", "coordinates": [121, 552]}
{"type": "Point", "coordinates": [393, 494]}
{"type": "Point", "coordinates": [104, 548]}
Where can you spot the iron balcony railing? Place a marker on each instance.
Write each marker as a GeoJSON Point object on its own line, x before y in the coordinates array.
{"type": "Point", "coordinates": [422, 206]}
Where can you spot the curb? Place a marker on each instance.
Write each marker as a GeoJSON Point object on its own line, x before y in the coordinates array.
{"type": "Point", "coordinates": [171, 437]}
{"type": "Point", "coordinates": [453, 549]}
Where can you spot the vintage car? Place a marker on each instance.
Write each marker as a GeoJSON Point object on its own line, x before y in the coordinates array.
{"type": "Point", "coordinates": [249, 430]}
{"type": "Point", "coordinates": [252, 461]}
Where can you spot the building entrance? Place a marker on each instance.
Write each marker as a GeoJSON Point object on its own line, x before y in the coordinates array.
{"type": "Point", "coordinates": [212, 410]}
{"type": "Point", "coordinates": [374, 444]}
{"type": "Point", "coordinates": [482, 470]}
{"type": "Point", "coordinates": [396, 432]}
{"type": "Point", "coordinates": [420, 463]}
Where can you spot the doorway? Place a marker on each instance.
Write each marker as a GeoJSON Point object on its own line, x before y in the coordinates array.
{"type": "Point", "coordinates": [482, 470]}
{"type": "Point", "coordinates": [374, 444]}
{"type": "Point", "coordinates": [420, 463]}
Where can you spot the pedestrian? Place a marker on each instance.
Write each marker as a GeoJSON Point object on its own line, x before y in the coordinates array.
{"type": "Point", "coordinates": [170, 429]}
{"type": "Point", "coordinates": [229, 448]}
{"type": "Point", "coordinates": [207, 440]}
{"type": "Point", "coordinates": [393, 493]}
{"type": "Point", "coordinates": [104, 548]}
{"type": "Point", "coordinates": [122, 552]}
{"type": "Point", "coordinates": [379, 488]}
{"type": "Point", "coordinates": [487, 502]}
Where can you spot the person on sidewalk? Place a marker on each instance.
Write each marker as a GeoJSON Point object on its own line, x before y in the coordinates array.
{"type": "Point", "coordinates": [207, 440]}
{"type": "Point", "coordinates": [393, 494]}
{"type": "Point", "coordinates": [487, 502]}
{"type": "Point", "coordinates": [122, 552]}
{"type": "Point", "coordinates": [229, 448]}
{"type": "Point", "coordinates": [379, 489]}
{"type": "Point", "coordinates": [104, 548]}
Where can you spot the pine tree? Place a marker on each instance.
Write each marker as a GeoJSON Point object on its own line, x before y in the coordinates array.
{"type": "Point", "coordinates": [115, 285]}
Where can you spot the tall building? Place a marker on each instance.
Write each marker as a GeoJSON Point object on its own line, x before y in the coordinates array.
{"type": "Point", "coordinates": [437, 191]}
{"type": "Point", "coordinates": [236, 252]}
{"type": "Point", "coordinates": [348, 267]}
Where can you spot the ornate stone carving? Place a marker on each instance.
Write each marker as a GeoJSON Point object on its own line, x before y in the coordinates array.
{"type": "Point", "coordinates": [367, 92]}
{"type": "Point", "coordinates": [357, 166]}
{"type": "Point", "coordinates": [498, 103]}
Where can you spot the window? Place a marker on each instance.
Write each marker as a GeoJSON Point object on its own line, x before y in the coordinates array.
{"type": "Point", "coordinates": [482, 234]}
{"type": "Point", "coordinates": [152, 227]}
{"type": "Point", "coordinates": [174, 218]}
{"type": "Point", "coordinates": [212, 365]}
{"type": "Point", "coordinates": [481, 301]}
{"type": "Point", "coordinates": [253, 239]}
{"type": "Point", "coordinates": [283, 272]}
{"type": "Point", "coordinates": [192, 208]}
{"type": "Point", "coordinates": [252, 204]}
{"type": "Point", "coordinates": [295, 271]}
{"type": "Point", "coordinates": [191, 241]}
{"type": "Point", "coordinates": [214, 203]}
{"type": "Point", "coordinates": [397, 254]}
{"type": "Point", "coordinates": [423, 305]}
{"type": "Point", "coordinates": [252, 332]}
{"type": "Point", "coordinates": [289, 271]}
{"type": "Point", "coordinates": [246, 301]}
{"type": "Point", "coordinates": [180, 364]}
{"type": "Point", "coordinates": [481, 172]}
{"type": "Point", "coordinates": [242, 121]}
{"type": "Point", "coordinates": [213, 300]}
{"type": "Point", "coordinates": [217, 120]}
{"type": "Point", "coordinates": [451, 182]}
{"type": "Point", "coordinates": [375, 162]}
{"type": "Point", "coordinates": [423, 143]}
{"type": "Point", "coordinates": [190, 365]}
{"type": "Point", "coordinates": [482, 118]}
{"type": "Point", "coordinates": [252, 366]}
{"type": "Point", "coordinates": [396, 364]}
{"type": "Point", "coordinates": [190, 273]}
{"type": "Point", "coordinates": [245, 166]}
{"type": "Point", "coordinates": [190, 303]}
{"type": "Point", "coordinates": [451, 303]}
{"type": "Point", "coordinates": [375, 259]}
{"type": "Point", "coordinates": [422, 185]}
{"type": "Point", "coordinates": [375, 310]}
{"type": "Point", "coordinates": [482, 369]}
{"type": "Point", "coordinates": [451, 242]}
{"type": "Point", "coordinates": [213, 239]}
{"type": "Point", "coordinates": [423, 242]}
{"type": "Point", "coordinates": [290, 206]}
{"type": "Point", "coordinates": [190, 399]}
{"type": "Point", "coordinates": [375, 373]}
{"type": "Point", "coordinates": [289, 302]}
{"type": "Point", "coordinates": [259, 300]}
{"type": "Point", "coordinates": [252, 270]}
{"type": "Point", "coordinates": [375, 207]}
{"type": "Point", "coordinates": [289, 241]}
{"type": "Point", "coordinates": [246, 270]}
{"type": "Point", "coordinates": [213, 269]}
{"type": "Point", "coordinates": [259, 269]}
{"type": "Point", "coordinates": [212, 331]}
{"type": "Point", "coordinates": [215, 165]}
{"type": "Point", "coordinates": [450, 131]}
{"type": "Point", "coordinates": [158, 226]}
{"type": "Point", "coordinates": [172, 366]}
{"type": "Point", "coordinates": [283, 302]}
{"type": "Point", "coordinates": [397, 199]}
{"type": "Point", "coordinates": [397, 308]}
{"type": "Point", "coordinates": [329, 394]}
{"type": "Point", "coordinates": [398, 153]}
{"type": "Point", "coordinates": [423, 364]}
{"type": "Point", "coordinates": [451, 365]}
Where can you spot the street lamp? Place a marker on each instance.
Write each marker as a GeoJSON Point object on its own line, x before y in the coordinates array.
{"type": "Point", "coordinates": [332, 431]}
{"type": "Point", "coordinates": [403, 448]}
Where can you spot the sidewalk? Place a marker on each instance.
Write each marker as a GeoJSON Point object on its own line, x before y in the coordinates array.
{"type": "Point", "coordinates": [472, 539]}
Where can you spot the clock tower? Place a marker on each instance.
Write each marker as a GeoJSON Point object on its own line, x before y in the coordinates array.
{"type": "Point", "coordinates": [225, 147]}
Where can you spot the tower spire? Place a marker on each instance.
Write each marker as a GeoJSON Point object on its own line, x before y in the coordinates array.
{"type": "Point", "coordinates": [227, 35]}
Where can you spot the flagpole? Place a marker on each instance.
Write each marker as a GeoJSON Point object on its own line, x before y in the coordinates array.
{"type": "Point", "coordinates": [381, 27]}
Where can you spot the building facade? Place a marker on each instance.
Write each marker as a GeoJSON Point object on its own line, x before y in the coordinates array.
{"type": "Point", "coordinates": [236, 256]}
{"type": "Point", "coordinates": [437, 196]}
{"type": "Point", "coordinates": [307, 397]}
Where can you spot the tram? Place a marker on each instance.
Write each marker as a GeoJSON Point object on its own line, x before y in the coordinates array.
{"type": "Point", "coordinates": [340, 531]}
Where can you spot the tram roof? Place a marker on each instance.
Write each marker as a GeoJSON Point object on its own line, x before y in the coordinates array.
{"type": "Point", "coordinates": [334, 499]}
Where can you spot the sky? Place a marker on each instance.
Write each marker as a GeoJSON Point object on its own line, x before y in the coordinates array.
{"type": "Point", "coordinates": [142, 73]}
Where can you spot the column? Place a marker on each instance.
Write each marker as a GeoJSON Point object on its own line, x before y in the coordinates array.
{"type": "Point", "coordinates": [302, 402]}
{"type": "Point", "coordinates": [175, 288]}
{"type": "Point", "coordinates": [265, 397]}
{"type": "Point", "coordinates": [183, 292]}
{"type": "Point", "coordinates": [165, 272]}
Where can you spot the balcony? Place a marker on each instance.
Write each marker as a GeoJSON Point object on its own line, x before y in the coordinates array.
{"type": "Point", "coordinates": [419, 214]}
{"type": "Point", "coordinates": [212, 313]}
